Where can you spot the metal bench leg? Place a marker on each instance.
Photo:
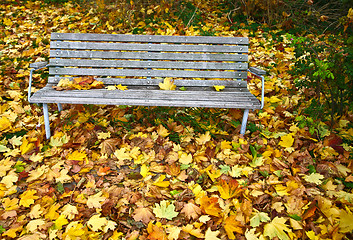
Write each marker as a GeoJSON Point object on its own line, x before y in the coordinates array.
{"type": "Point", "coordinates": [60, 107]}
{"type": "Point", "coordinates": [245, 120]}
{"type": "Point", "coordinates": [46, 120]}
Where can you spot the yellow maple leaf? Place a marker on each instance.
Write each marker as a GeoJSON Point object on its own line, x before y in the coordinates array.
{"type": "Point", "coordinates": [65, 83]}
{"type": "Point", "coordinates": [109, 226]}
{"type": "Point", "coordinates": [286, 141]}
{"type": "Point", "coordinates": [63, 177]}
{"type": "Point", "coordinates": [193, 231]}
{"type": "Point", "coordinates": [103, 135]}
{"type": "Point", "coordinates": [231, 225]}
{"type": "Point", "coordinates": [346, 220]}
{"type": "Point", "coordinates": [203, 138]}
{"type": "Point", "coordinates": [34, 224]}
{"type": "Point", "coordinates": [96, 200]}
{"type": "Point", "coordinates": [185, 158]}
{"type": "Point", "coordinates": [12, 232]}
{"type": "Point", "coordinates": [77, 156]}
{"type": "Point", "coordinates": [218, 87]}
{"type": "Point", "coordinates": [211, 235]}
{"type": "Point", "coordinates": [60, 222]}
{"type": "Point", "coordinates": [26, 146]}
{"type": "Point", "coordinates": [10, 204]}
{"type": "Point", "coordinates": [160, 182]}
{"type": "Point", "coordinates": [121, 155]}
{"type": "Point", "coordinates": [7, 22]}
{"type": "Point", "coordinates": [96, 223]}
{"type": "Point", "coordinates": [5, 123]}
{"type": "Point", "coordinates": [52, 213]}
{"type": "Point", "coordinates": [145, 171]}
{"type": "Point", "coordinates": [229, 189]}
{"type": "Point", "coordinates": [69, 211]}
{"type": "Point", "coordinates": [9, 179]}
{"type": "Point", "coordinates": [162, 131]}
{"type": "Point", "coordinates": [121, 87]}
{"type": "Point", "coordinates": [27, 198]}
{"type": "Point", "coordinates": [74, 230]}
{"type": "Point", "coordinates": [36, 211]}
{"type": "Point", "coordinates": [168, 84]}
{"type": "Point", "coordinates": [281, 190]}
{"type": "Point", "coordinates": [277, 228]}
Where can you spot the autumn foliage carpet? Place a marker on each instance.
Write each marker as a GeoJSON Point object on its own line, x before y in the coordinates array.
{"type": "Point", "coordinates": [111, 172]}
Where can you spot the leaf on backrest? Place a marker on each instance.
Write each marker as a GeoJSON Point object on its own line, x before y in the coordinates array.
{"type": "Point", "coordinates": [168, 84]}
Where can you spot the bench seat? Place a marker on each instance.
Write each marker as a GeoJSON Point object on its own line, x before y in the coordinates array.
{"type": "Point", "coordinates": [196, 64]}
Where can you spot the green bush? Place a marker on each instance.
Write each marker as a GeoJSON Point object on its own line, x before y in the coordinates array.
{"type": "Point", "coordinates": [324, 70]}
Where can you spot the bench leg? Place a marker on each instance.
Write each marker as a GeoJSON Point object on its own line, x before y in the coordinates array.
{"type": "Point", "coordinates": [60, 107]}
{"type": "Point", "coordinates": [245, 120]}
{"type": "Point", "coordinates": [46, 120]}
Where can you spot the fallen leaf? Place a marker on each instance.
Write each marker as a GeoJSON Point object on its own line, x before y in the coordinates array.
{"type": "Point", "coordinates": [165, 210]}
{"type": "Point", "coordinates": [168, 84]}
{"type": "Point", "coordinates": [218, 88]}
{"type": "Point", "coordinates": [191, 211]}
{"type": "Point", "coordinates": [143, 214]}
{"type": "Point", "coordinates": [277, 228]}
{"type": "Point", "coordinates": [231, 225]}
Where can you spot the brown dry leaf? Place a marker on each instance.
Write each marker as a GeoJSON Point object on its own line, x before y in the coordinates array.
{"type": "Point", "coordinates": [191, 210]}
{"type": "Point", "coordinates": [143, 214]}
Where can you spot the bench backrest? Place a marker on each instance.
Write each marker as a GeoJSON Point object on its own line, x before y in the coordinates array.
{"type": "Point", "coordinates": [114, 57]}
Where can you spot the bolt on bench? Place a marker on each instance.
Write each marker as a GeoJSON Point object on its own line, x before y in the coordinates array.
{"type": "Point", "coordinates": [141, 62]}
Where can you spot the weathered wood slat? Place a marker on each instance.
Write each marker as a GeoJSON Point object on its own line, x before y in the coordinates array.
{"type": "Point", "coordinates": [149, 56]}
{"type": "Point", "coordinates": [148, 38]}
{"type": "Point", "coordinates": [150, 94]}
{"type": "Point", "coordinates": [148, 47]}
{"type": "Point", "coordinates": [148, 102]}
{"type": "Point", "coordinates": [146, 72]}
{"type": "Point", "coordinates": [154, 82]}
{"type": "Point", "coordinates": [148, 64]}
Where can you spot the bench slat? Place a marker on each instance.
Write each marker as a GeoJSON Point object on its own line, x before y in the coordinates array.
{"type": "Point", "coordinates": [148, 38]}
{"type": "Point", "coordinates": [144, 93]}
{"type": "Point", "coordinates": [155, 82]}
{"type": "Point", "coordinates": [145, 72]}
{"type": "Point", "coordinates": [146, 102]}
{"type": "Point", "coordinates": [149, 56]}
{"type": "Point", "coordinates": [148, 64]}
{"type": "Point", "coordinates": [148, 47]}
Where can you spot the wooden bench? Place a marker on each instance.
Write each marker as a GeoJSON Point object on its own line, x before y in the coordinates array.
{"type": "Point", "coordinates": [141, 62]}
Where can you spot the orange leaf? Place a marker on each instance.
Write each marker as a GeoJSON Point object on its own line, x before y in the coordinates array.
{"type": "Point", "coordinates": [156, 232]}
{"type": "Point", "coordinates": [229, 189]}
{"type": "Point", "coordinates": [210, 206]}
{"type": "Point", "coordinates": [231, 225]}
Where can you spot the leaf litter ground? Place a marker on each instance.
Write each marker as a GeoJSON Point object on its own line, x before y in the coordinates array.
{"type": "Point", "coordinates": [112, 172]}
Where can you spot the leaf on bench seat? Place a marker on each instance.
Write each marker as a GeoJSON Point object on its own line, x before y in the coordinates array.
{"type": "Point", "coordinates": [80, 83]}
{"type": "Point", "coordinates": [218, 87]}
{"type": "Point", "coordinates": [120, 87]}
{"type": "Point", "coordinates": [167, 84]}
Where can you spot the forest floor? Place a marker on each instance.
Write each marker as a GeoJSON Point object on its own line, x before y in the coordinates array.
{"type": "Point", "coordinates": [111, 172]}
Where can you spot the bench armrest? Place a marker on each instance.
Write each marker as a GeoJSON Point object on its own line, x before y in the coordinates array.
{"type": "Point", "coordinates": [34, 66]}
{"type": "Point", "coordinates": [260, 74]}
{"type": "Point", "coordinates": [38, 65]}
{"type": "Point", "coordinates": [257, 71]}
